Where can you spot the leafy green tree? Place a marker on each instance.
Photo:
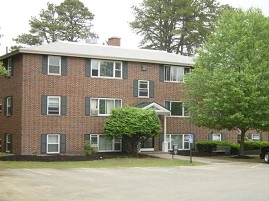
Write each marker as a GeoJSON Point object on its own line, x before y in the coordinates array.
{"type": "Point", "coordinates": [69, 21]}
{"type": "Point", "coordinates": [178, 26]}
{"type": "Point", "coordinates": [2, 69]}
{"type": "Point", "coordinates": [228, 87]}
{"type": "Point", "coordinates": [132, 125]}
{"type": "Point", "coordinates": [15, 47]}
{"type": "Point", "coordinates": [75, 21]}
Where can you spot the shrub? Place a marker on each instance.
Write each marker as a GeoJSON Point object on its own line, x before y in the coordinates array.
{"type": "Point", "coordinates": [208, 146]}
{"type": "Point", "coordinates": [205, 146]}
{"type": "Point", "coordinates": [255, 145]}
{"type": "Point", "coordinates": [88, 149]}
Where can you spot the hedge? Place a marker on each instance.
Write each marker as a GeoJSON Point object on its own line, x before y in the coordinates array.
{"type": "Point", "coordinates": [254, 145]}
{"type": "Point", "coordinates": [207, 146]}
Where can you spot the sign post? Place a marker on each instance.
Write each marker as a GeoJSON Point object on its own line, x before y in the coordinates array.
{"type": "Point", "coordinates": [190, 145]}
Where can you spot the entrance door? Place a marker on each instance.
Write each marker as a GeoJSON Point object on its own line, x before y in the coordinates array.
{"type": "Point", "coordinates": [147, 144]}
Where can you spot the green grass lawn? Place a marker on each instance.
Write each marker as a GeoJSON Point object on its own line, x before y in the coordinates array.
{"type": "Point", "coordinates": [106, 163]}
{"type": "Point", "coordinates": [248, 158]}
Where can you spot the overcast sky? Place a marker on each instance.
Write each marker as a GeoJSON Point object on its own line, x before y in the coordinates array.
{"type": "Point", "coordinates": [111, 17]}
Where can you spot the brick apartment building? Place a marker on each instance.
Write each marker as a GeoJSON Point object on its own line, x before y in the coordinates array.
{"type": "Point", "coordinates": [56, 96]}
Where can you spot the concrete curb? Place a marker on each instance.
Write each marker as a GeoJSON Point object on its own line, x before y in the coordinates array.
{"type": "Point", "coordinates": [194, 158]}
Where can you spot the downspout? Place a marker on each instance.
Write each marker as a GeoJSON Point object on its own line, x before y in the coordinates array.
{"type": "Point", "coordinates": [165, 143]}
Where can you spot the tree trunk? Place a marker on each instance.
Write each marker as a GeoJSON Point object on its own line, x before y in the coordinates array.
{"type": "Point", "coordinates": [242, 144]}
{"type": "Point", "coordinates": [130, 145]}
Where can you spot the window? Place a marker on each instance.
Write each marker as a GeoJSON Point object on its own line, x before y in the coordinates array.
{"type": "Point", "coordinates": [9, 67]}
{"type": "Point", "coordinates": [182, 140]}
{"type": "Point", "coordinates": [177, 108]}
{"type": "Point", "coordinates": [104, 106]}
{"type": "Point", "coordinates": [107, 69]}
{"type": "Point", "coordinates": [8, 142]}
{"type": "Point", "coordinates": [147, 143]}
{"type": "Point", "coordinates": [53, 143]}
{"type": "Point", "coordinates": [117, 144]}
{"type": "Point", "coordinates": [216, 137]}
{"type": "Point", "coordinates": [143, 88]}
{"type": "Point", "coordinates": [94, 142]}
{"type": "Point", "coordinates": [175, 73]}
{"type": "Point", "coordinates": [54, 105]}
{"type": "Point", "coordinates": [103, 144]}
{"type": "Point", "coordinates": [8, 106]}
{"type": "Point", "coordinates": [256, 137]}
{"type": "Point", "coordinates": [54, 67]}
{"type": "Point", "coordinates": [1, 105]}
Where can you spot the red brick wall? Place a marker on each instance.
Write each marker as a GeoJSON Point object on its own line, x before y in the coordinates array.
{"type": "Point", "coordinates": [28, 85]}
{"type": "Point", "coordinates": [11, 86]}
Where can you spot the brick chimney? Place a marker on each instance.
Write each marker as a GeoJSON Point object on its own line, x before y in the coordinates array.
{"type": "Point", "coordinates": [114, 41]}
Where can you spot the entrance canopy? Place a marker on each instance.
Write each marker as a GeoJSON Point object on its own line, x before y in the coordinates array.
{"type": "Point", "coordinates": [160, 110]}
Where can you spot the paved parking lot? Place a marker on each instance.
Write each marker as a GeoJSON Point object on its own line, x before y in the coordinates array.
{"type": "Point", "coordinates": [222, 181]}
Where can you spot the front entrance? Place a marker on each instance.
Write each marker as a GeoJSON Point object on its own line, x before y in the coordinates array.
{"type": "Point", "coordinates": [147, 144]}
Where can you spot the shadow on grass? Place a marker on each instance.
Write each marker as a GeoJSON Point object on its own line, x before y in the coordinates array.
{"type": "Point", "coordinates": [237, 158]}
{"type": "Point", "coordinates": [59, 157]}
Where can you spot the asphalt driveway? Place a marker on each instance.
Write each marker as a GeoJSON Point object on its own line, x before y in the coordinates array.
{"type": "Point", "coordinates": [221, 180]}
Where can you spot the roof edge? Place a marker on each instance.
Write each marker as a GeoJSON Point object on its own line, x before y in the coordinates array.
{"type": "Point", "coordinates": [100, 57]}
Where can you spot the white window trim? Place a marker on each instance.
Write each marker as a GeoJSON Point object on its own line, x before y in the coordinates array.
{"type": "Point", "coordinates": [8, 105]}
{"type": "Point", "coordinates": [146, 81]}
{"type": "Point", "coordinates": [9, 66]}
{"type": "Point", "coordinates": [98, 144]}
{"type": "Point", "coordinates": [166, 66]}
{"type": "Point", "coordinates": [95, 110]}
{"type": "Point", "coordinates": [218, 135]}
{"type": "Point", "coordinates": [114, 142]}
{"type": "Point", "coordinates": [59, 98]}
{"type": "Point", "coordinates": [60, 66]}
{"type": "Point", "coordinates": [183, 110]}
{"type": "Point", "coordinates": [170, 146]}
{"type": "Point", "coordinates": [8, 142]}
{"type": "Point", "coordinates": [94, 145]}
{"type": "Point", "coordinates": [257, 134]}
{"type": "Point", "coordinates": [58, 143]}
{"type": "Point", "coordinates": [114, 69]}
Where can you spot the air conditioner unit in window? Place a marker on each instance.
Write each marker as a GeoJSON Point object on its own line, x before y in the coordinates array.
{"type": "Point", "coordinates": [144, 67]}
{"type": "Point", "coordinates": [94, 111]}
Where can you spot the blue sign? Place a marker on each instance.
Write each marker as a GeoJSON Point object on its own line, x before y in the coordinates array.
{"type": "Point", "coordinates": [190, 138]}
